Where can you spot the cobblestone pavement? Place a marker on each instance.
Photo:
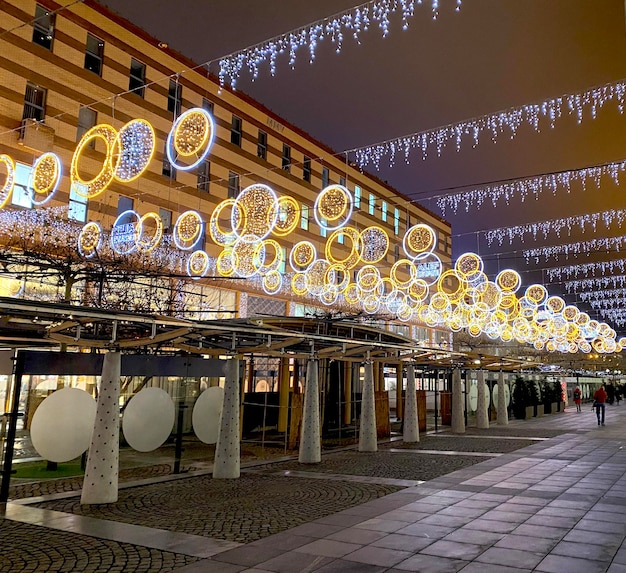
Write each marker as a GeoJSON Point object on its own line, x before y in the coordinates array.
{"type": "Point", "coordinates": [515, 429]}
{"type": "Point", "coordinates": [28, 548]}
{"type": "Point", "coordinates": [461, 444]}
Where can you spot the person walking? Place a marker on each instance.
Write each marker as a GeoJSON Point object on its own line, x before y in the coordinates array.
{"type": "Point", "coordinates": [600, 397]}
{"type": "Point", "coordinates": [578, 398]}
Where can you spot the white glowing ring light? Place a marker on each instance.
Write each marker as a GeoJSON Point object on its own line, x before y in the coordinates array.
{"type": "Point", "coordinates": [95, 186]}
{"type": "Point", "coordinates": [249, 253]}
{"type": "Point", "coordinates": [374, 244]}
{"type": "Point", "coordinates": [419, 239]}
{"type": "Point", "coordinates": [333, 205]}
{"type": "Point", "coordinates": [274, 263]}
{"type": "Point", "coordinates": [329, 296]}
{"type": "Point", "coordinates": [352, 294]}
{"type": "Point", "coordinates": [137, 142]}
{"type": "Point", "coordinates": [43, 183]}
{"type": "Point", "coordinates": [255, 211]}
{"type": "Point", "coordinates": [353, 258]}
{"type": "Point", "coordinates": [119, 236]}
{"type": "Point", "coordinates": [200, 136]}
{"type": "Point", "coordinates": [90, 239]}
{"type": "Point", "coordinates": [432, 272]}
{"type": "Point", "coordinates": [220, 236]}
{"type": "Point", "coordinates": [288, 216]}
{"type": "Point", "coordinates": [188, 230]}
{"type": "Point", "coordinates": [197, 264]}
{"type": "Point", "coordinates": [272, 282]}
{"type": "Point", "coordinates": [302, 255]}
{"type": "Point", "coordinates": [367, 278]}
{"type": "Point", "coordinates": [144, 244]}
{"type": "Point", "coordinates": [299, 284]}
{"type": "Point", "coordinates": [371, 303]}
{"type": "Point", "coordinates": [397, 266]}
{"type": "Point", "coordinates": [9, 182]}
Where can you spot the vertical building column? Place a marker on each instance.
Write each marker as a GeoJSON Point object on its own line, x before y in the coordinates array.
{"type": "Point", "coordinates": [411, 422]}
{"type": "Point", "coordinates": [368, 441]}
{"type": "Point", "coordinates": [227, 450]}
{"type": "Point", "coordinates": [310, 439]}
{"type": "Point", "coordinates": [458, 420]}
{"type": "Point", "coordinates": [503, 416]}
{"type": "Point", "coordinates": [347, 392]}
{"type": "Point", "coordinates": [283, 394]}
{"type": "Point", "coordinates": [399, 388]}
{"type": "Point", "coordinates": [482, 415]}
{"type": "Point", "coordinates": [102, 471]}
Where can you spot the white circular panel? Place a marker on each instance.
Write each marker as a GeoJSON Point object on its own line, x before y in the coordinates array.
{"type": "Point", "coordinates": [473, 397]}
{"type": "Point", "coordinates": [62, 425]}
{"type": "Point", "coordinates": [148, 419]}
{"type": "Point", "coordinates": [206, 414]}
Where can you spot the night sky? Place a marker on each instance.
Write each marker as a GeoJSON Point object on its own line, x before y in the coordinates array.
{"type": "Point", "coordinates": [489, 56]}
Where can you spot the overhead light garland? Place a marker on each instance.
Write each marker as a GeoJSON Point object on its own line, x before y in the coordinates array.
{"type": "Point", "coordinates": [353, 22]}
{"type": "Point", "coordinates": [587, 269]}
{"type": "Point", "coordinates": [589, 296]}
{"type": "Point", "coordinates": [615, 281]}
{"type": "Point", "coordinates": [577, 248]}
{"type": "Point", "coordinates": [612, 303]}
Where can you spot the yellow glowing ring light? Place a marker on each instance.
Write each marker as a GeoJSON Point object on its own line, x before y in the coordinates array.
{"type": "Point", "coordinates": [250, 256]}
{"type": "Point", "coordinates": [9, 182]}
{"type": "Point", "coordinates": [219, 235]}
{"type": "Point", "coordinates": [299, 284]}
{"type": "Point", "coordinates": [367, 278]}
{"type": "Point", "coordinates": [536, 293]}
{"type": "Point", "coordinates": [490, 294]}
{"type": "Point", "coordinates": [90, 239]}
{"type": "Point", "coordinates": [287, 217]}
{"type": "Point", "coordinates": [123, 238]}
{"type": "Point", "coordinates": [428, 268]}
{"type": "Point", "coordinates": [374, 244]}
{"type": "Point", "coordinates": [226, 262]}
{"type": "Point", "coordinates": [418, 291]}
{"type": "Point", "coordinates": [332, 274]}
{"type": "Point", "coordinates": [352, 294]}
{"type": "Point", "coordinates": [275, 262]}
{"type": "Point", "coordinates": [191, 135]}
{"type": "Point", "coordinates": [136, 142]}
{"type": "Point", "coordinates": [329, 296]}
{"type": "Point", "coordinates": [353, 258]}
{"type": "Point", "coordinates": [508, 280]}
{"type": "Point", "coordinates": [468, 265]}
{"type": "Point", "coordinates": [419, 239]}
{"type": "Point", "coordinates": [197, 264]}
{"type": "Point", "coordinates": [272, 282]}
{"type": "Point", "coordinates": [570, 312]}
{"type": "Point", "coordinates": [255, 211]}
{"type": "Point", "coordinates": [371, 303]}
{"type": "Point", "coordinates": [397, 267]}
{"type": "Point", "coordinates": [302, 255]}
{"type": "Point", "coordinates": [44, 178]}
{"type": "Point", "coordinates": [386, 290]}
{"type": "Point", "coordinates": [334, 206]}
{"type": "Point", "coordinates": [188, 230]}
{"type": "Point", "coordinates": [454, 294]}
{"type": "Point", "coordinates": [149, 244]}
{"type": "Point", "coordinates": [316, 275]}
{"type": "Point", "coordinates": [555, 304]}
{"type": "Point", "coordinates": [94, 187]}
{"type": "Point", "coordinates": [404, 312]}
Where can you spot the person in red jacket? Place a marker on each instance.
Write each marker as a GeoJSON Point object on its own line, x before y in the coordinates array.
{"type": "Point", "coordinates": [600, 403]}
{"type": "Point", "coordinates": [577, 398]}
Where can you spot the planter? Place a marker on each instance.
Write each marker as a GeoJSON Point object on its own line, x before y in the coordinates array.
{"type": "Point", "coordinates": [555, 407]}
{"type": "Point", "coordinates": [530, 412]}
{"type": "Point", "coordinates": [539, 410]}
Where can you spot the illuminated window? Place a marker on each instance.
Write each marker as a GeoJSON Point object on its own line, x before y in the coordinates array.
{"type": "Point", "coordinates": [34, 102]}
{"type": "Point", "coordinates": [372, 204]}
{"type": "Point", "coordinates": [323, 231]}
{"type": "Point", "coordinates": [137, 77]}
{"type": "Point", "coordinates": [396, 221]}
{"type": "Point", "coordinates": [304, 217]}
{"type": "Point", "coordinates": [77, 206]}
{"type": "Point", "coordinates": [357, 197]}
{"type": "Point", "coordinates": [43, 27]}
{"type": "Point", "coordinates": [383, 211]}
{"type": "Point", "coordinates": [235, 131]}
{"type": "Point", "coordinates": [21, 196]}
{"type": "Point", "coordinates": [166, 218]}
{"type": "Point", "coordinates": [94, 54]}
{"type": "Point", "coordinates": [281, 267]}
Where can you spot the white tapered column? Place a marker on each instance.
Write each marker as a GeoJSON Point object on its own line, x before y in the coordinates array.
{"type": "Point", "coordinates": [368, 440]}
{"type": "Point", "coordinates": [482, 415]}
{"type": "Point", "coordinates": [458, 420]}
{"type": "Point", "coordinates": [227, 462]}
{"type": "Point", "coordinates": [411, 431]}
{"type": "Point", "coordinates": [503, 416]}
{"type": "Point", "coordinates": [310, 443]}
{"type": "Point", "coordinates": [102, 471]}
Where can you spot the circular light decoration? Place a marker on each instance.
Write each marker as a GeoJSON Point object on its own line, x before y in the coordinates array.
{"type": "Point", "coordinates": [333, 207]}
{"type": "Point", "coordinates": [555, 304]}
{"type": "Point", "coordinates": [352, 294]}
{"type": "Point", "coordinates": [337, 277]}
{"type": "Point", "coordinates": [404, 312]}
{"type": "Point", "coordinates": [288, 216]}
{"type": "Point", "coordinates": [197, 264]}
{"type": "Point", "coordinates": [367, 278]}
{"type": "Point", "coordinates": [226, 262]}
{"type": "Point", "coordinates": [90, 188]}
{"type": "Point", "coordinates": [403, 273]}
{"type": "Point", "coordinates": [329, 296]}
{"type": "Point", "coordinates": [124, 235]}
{"type": "Point", "coordinates": [136, 143]}
{"type": "Point", "coordinates": [249, 253]}
{"type": "Point", "coordinates": [428, 268]}
{"type": "Point", "coordinates": [419, 239]}
{"type": "Point", "coordinates": [488, 293]}
{"type": "Point", "coordinates": [418, 290]}
{"type": "Point", "coordinates": [44, 178]}
{"type": "Point", "coordinates": [190, 138]}
{"type": "Point", "coordinates": [272, 282]}
{"type": "Point", "coordinates": [148, 419]}
{"type": "Point", "coordinates": [255, 211]}
{"type": "Point", "coordinates": [220, 236]}
{"type": "Point", "coordinates": [188, 230]}
{"type": "Point", "coordinates": [353, 258]}
{"type": "Point", "coordinates": [371, 303]}
{"type": "Point", "coordinates": [508, 280]}
{"type": "Point", "coordinates": [536, 293]}
{"type": "Point", "coordinates": [274, 263]}
{"type": "Point", "coordinates": [90, 239]}
{"type": "Point", "coordinates": [450, 283]}
{"type": "Point", "coordinates": [374, 243]}
{"type": "Point", "coordinates": [386, 291]}
{"type": "Point", "coordinates": [9, 180]}
{"type": "Point", "coordinates": [302, 255]}
{"type": "Point", "coordinates": [570, 312]}
{"type": "Point", "coordinates": [299, 284]}
{"type": "Point", "coordinates": [468, 265]}
{"type": "Point", "coordinates": [316, 275]}
{"type": "Point", "coordinates": [145, 242]}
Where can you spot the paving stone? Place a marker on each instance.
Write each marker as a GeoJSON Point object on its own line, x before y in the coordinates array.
{"type": "Point", "coordinates": [559, 564]}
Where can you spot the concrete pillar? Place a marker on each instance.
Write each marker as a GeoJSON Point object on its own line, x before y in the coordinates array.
{"type": "Point", "coordinates": [482, 415]}
{"type": "Point", "coordinates": [368, 439]}
{"type": "Point", "coordinates": [503, 416]}
{"type": "Point", "coordinates": [227, 462]}
{"type": "Point", "coordinates": [399, 388]}
{"type": "Point", "coordinates": [411, 423]}
{"type": "Point", "coordinates": [283, 394]}
{"type": "Point", "coordinates": [102, 471]}
{"type": "Point", "coordinates": [347, 392]}
{"type": "Point", "coordinates": [310, 442]}
{"type": "Point", "coordinates": [458, 420]}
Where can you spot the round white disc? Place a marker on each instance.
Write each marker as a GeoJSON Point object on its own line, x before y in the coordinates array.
{"type": "Point", "coordinates": [148, 419]}
{"type": "Point", "coordinates": [206, 414]}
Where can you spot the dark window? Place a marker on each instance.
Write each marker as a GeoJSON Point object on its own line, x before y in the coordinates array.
{"type": "Point", "coordinates": [94, 54]}
{"type": "Point", "coordinates": [124, 204]}
{"type": "Point", "coordinates": [174, 97]}
{"type": "Point", "coordinates": [137, 77]}
{"type": "Point", "coordinates": [396, 252]}
{"type": "Point", "coordinates": [204, 176]}
{"type": "Point", "coordinates": [342, 181]}
{"type": "Point", "coordinates": [261, 146]}
{"type": "Point", "coordinates": [233, 185]}
{"type": "Point", "coordinates": [208, 105]}
{"type": "Point", "coordinates": [34, 102]}
{"type": "Point", "coordinates": [87, 118]}
{"type": "Point", "coordinates": [306, 169]}
{"type": "Point", "coordinates": [235, 131]}
{"type": "Point", "coordinates": [43, 27]}
{"type": "Point", "coordinates": [168, 168]}
{"type": "Point", "coordinates": [325, 177]}
{"type": "Point", "coordinates": [286, 165]}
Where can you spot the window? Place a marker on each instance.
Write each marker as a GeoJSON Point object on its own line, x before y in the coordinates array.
{"type": "Point", "coordinates": [233, 185]}
{"type": "Point", "coordinates": [87, 118]}
{"type": "Point", "coordinates": [174, 97]}
{"type": "Point", "coordinates": [43, 27]}
{"type": "Point", "coordinates": [396, 221]}
{"type": "Point", "coordinates": [34, 102]}
{"type": "Point", "coordinates": [396, 252]}
{"type": "Point", "coordinates": [124, 204]}
{"type": "Point", "coordinates": [340, 238]}
{"type": "Point", "coordinates": [342, 181]}
{"type": "Point", "coordinates": [204, 175]}
{"type": "Point", "coordinates": [208, 105]}
{"type": "Point", "coordinates": [166, 218]}
{"type": "Point", "coordinates": [137, 77]}
{"type": "Point", "coordinates": [304, 217]}
{"type": "Point", "coordinates": [372, 204]}
{"type": "Point", "coordinates": [283, 260]}
{"type": "Point", "coordinates": [306, 169]}
{"type": "Point", "coordinates": [325, 177]}
{"type": "Point", "coordinates": [168, 169]}
{"type": "Point", "coordinates": [323, 231]}
{"type": "Point", "coordinates": [94, 54]}
{"type": "Point", "coordinates": [261, 146]}
{"type": "Point", "coordinates": [357, 197]}
{"type": "Point", "coordinates": [77, 207]}
{"type": "Point", "coordinates": [383, 211]}
{"type": "Point", "coordinates": [286, 165]}
{"type": "Point", "coordinates": [21, 197]}
{"type": "Point", "coordinates": [235, 131]}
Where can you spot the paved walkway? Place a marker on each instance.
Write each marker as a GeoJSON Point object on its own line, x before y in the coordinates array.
{"type": "Point", "coordinates": [558, 505]}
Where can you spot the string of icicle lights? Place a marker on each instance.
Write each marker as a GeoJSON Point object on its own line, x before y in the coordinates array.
{"type": "Point", "coordinates": [577, 248]}
{"type": "Point", "coordinates": [612, 303]}
{"type": "Point", "coordinates": [534, 186]}
{"type": "Point", "coordinates": [352, 22]}
{"type": "Point", "coordinates": [617, 317]}
{"type": "Point", "coordinates": [506, 122]}
{"type": "Point", "coordinates": [603, 294]}
{"type": "Point", "coordinates": [615, 281]}
{"type": "Point", "coordinates": [556, 226]}
{"type": "Point", "coordinates": [587, 269]}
